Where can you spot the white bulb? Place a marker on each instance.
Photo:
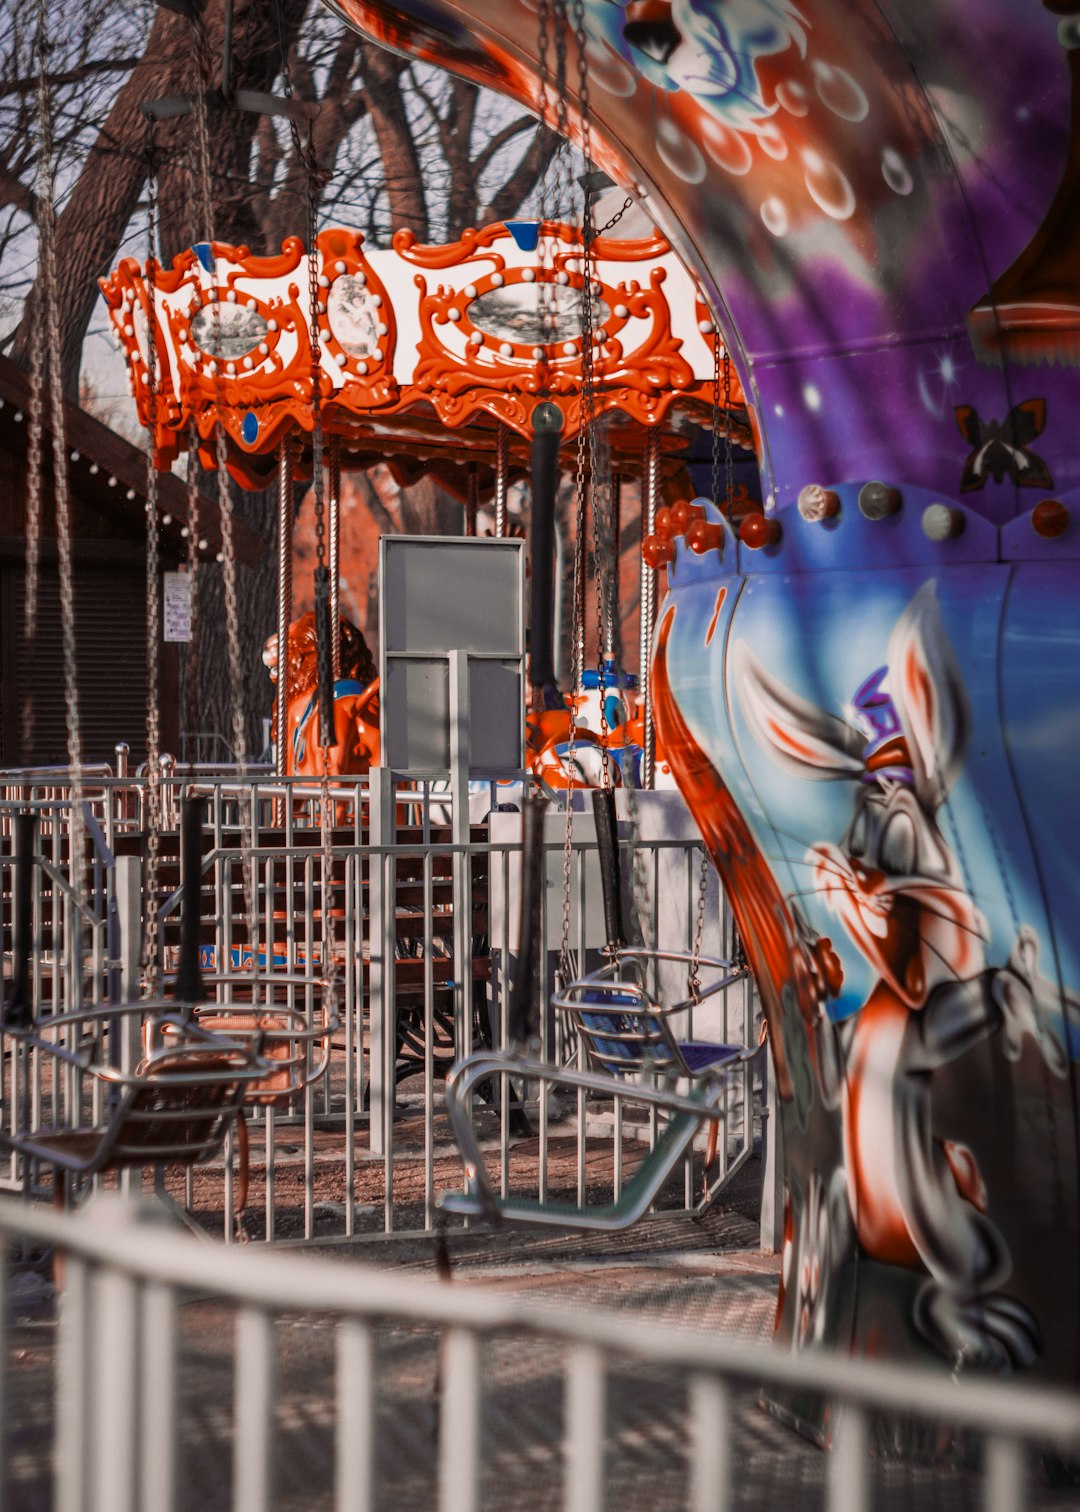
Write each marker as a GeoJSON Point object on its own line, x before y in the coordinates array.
{"type": "Point", "coordinates": [621, 312]}
{"type": "Point", "coordinates": [271, 325]}
{"type": "Point", "coordinates": [506, 349]}
{"type": "Point", "coordinates": [470, 291]}
{"type": "Point", "coordinates": [528, 275]}
{"type": "Point", "coordinates": [231, 296]}
{"type": "Point", "coordinates": [263, 349]}
{"type": "Point", "coordinates": [324, 282]}
{"type": "Point", "coordinates": [248, 362]}
{"type": "Point", "coordinates": [341, 359]}
{"type": "Point", "coordinates": [130, 493]}
{"type": "Point", "coordinates": [453, 313]}
{"type": "Point", "coordinates": [339, 267]}
{"type": "Point", "coordinates": [570, 348]}
{"type": "Point", "coordinates": [497, 280]}
{"type": "Point", "coordinates": [475, 339]}
{"type": "Point", "coordinates": [253, 304]}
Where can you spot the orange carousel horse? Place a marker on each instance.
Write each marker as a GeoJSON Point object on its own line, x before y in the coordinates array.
{"type": "Point", "coordinates": [356, 702]}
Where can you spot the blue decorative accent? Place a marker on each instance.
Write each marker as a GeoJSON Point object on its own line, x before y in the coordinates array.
{"type": "Point", "coordinates": [249, 428]}
{"type": "Point", "coordinates": [205, 253]}
{"type": "Point", "coordinates": [525, 233]}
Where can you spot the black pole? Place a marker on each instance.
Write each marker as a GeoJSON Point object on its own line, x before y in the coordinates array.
{"type": "Point", "coordinates": [524, 1018]}
{"type": "Point", "coordinates": [324, 651]}
{"type": "Point", "coordinates": [189, 988]}
{"type": "Point", "coordinates": [607, 842]}
{"type": "Point", "coordinates": [19, 1012]}
{"type": "Point", "coordinates": [545, 482]}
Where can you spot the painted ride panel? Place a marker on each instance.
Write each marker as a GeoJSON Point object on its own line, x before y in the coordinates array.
{"type": "Point", "coordinates": [875, 715]}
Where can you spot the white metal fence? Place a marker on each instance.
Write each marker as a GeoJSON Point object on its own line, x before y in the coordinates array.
{"type": "Point", "coordinates": [424, 939]}
{"type": "Point", "coordinates": [110, 1418]}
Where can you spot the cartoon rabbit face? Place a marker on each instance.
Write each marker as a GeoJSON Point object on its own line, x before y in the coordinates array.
{"type": "Point", "coordinates": [892, 880]}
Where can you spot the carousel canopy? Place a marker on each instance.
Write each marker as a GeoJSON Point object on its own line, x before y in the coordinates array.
{"type": "Point", "coordinates": [424, 349]}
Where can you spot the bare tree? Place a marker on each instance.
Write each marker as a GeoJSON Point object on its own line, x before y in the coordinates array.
{"type": "Point", "coordinates": [396, 144]}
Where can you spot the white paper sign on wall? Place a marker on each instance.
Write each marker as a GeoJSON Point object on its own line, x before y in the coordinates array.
{"type": "Point", "coordinates": [177, 606]}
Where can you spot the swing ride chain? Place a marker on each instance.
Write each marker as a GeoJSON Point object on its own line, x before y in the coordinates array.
{"type": "Point", "coordinates": [47, 262]}
{"type": "Point", "coordinates": [729, 463]}
{"type": "Point", "coordinates": [203, 62]}
{"type": "Point", "coordinates": [587, 431]}
{"type": "Point", "coordinates": [564, 19]}
{"type": "Point", "coordinates": [191, 666]}
{"type": "Point", "coordinates": [305, 155]}
{"type": "Point", "coordinates": [150, 961]}
{"type": "Point", "coordinates": [34, 467]}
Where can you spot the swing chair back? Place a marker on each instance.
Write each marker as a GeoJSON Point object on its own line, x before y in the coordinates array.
{"type": "Point", "coordinates": [624, 1031]}
{"type": "Point", "coordinates": [176, 1107]}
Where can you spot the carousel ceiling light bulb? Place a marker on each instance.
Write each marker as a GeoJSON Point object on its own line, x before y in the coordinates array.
{"type": "Point", "coordinates": [129, 330]}
{"type": "Point", "coordinates": [562, 278]}
{"type": "Point", "coordinates": [376, 300]}
{"type": "Point", "coordinates": [362, 366]}
{"type": "Point", "coordinates": [220, 557]}
{"type": "Point", "coordinates": [252, 304]}
{"type": "Point", "coordinates": [381, 329]}
{"type": "Point", "coordinates": [263, 349]}
{"type": "Point", "coordinates": [570, 348]}
{"type": "Point", "coordinates": [475, 339]}
{"type": "Point", "coordinates": [166, 519]}
{"type": "Point", "coordinates": [341, 359]}
{"type": "Point", "coordinates": [597, 286]}
{"type": "Point", "coordinates": [94, 469]}
{"type": "Point", "coordinates": [248, 362]}
{"type": "Point", "coordinates": [230, 368]}
{"type": "Point", "coordinates": [470, 291]}
{"type": "Point", "coordinates": [571, 265]}
{"type": "Point", "coordinates": [18, 416]}
{"type": "Point", "coordinates": [231, 296]}
{"type": "Point", "coordinates": [130, 494]}
{"type": "Point", "coordinates": [211, 368]}
{"type": "Point", "coordinates": [538, 354]}
{"type": "Point", "coordinates": [528, 275]}
{"type": "Point", "coordinates": [204, 544]}
{"type": "Point", "coordinates": [360, 276]}
{"type": "Point", "coordinates": [506, 349]}
{"type": "Point", "coordinates": [705, 327]}
{"type": "Point", "coordinates": [185, 532]}
{"type": "Point", "coordinates": [75, 456]}
{"type": "Point", "coordinates": [453, 313]}
{"type": "Point", "coordinates": [621, 312]}
{"type": "Point", "coordinates": [112, 482]}
{"type": "Point", "coordinates": [497, 280]}
{"type": "Point", "coordinates": [324, 282]}
{"type": "Point", "coordinates": [339, 267]}
{"type": "Point", "coordinates": [271, 325]}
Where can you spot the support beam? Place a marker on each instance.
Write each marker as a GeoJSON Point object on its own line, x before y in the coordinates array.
{"type": "Point", "coordinates": [650, 493]}
{"type": "Point", "coordinates": [284, 601]}
{"type": "Point", "coordinates": [335, 555]}
{"type": "Point", "coordinates": [502, 472]}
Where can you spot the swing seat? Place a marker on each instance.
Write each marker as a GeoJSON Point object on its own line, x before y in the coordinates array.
{"type": "Point", "coordinates": [627, 1038]}
{"type": "Point", "coordinates": [634, 1032]}
{"type": "Point", "coordinates": [175, 1108]}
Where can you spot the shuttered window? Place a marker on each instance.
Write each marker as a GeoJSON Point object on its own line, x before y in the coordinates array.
{"type": "Point", "coordinates": [110, 641]}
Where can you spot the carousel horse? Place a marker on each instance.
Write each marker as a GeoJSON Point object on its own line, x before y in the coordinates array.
{"type": "Point", "coordinates": [356, 702]}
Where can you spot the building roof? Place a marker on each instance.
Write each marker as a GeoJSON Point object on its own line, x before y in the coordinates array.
{"type": "Point", "coordinates": [110, 474]}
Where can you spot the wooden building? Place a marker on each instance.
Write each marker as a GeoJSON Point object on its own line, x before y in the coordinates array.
{"type": "Point", "coordinates": [108, 503]}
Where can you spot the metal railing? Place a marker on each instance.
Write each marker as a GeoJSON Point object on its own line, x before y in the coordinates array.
{"type": "Point", "coordinates": [422, 980]}
{"type": "Point", "coordinates": [120, 1426]}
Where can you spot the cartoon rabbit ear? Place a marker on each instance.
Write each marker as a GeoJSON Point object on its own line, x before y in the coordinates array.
{"type": "Point", "coordinates": [928, 691]}
{"type": "Point", "coordinates": [798, 736]}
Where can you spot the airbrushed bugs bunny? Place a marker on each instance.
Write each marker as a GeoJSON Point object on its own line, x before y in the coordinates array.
{"type": "Point", "coordinates": [899, 891]}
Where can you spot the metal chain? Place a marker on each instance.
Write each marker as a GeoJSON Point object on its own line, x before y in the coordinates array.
{"type": "Point", "coordinates": [729, 463]}
{"type": "Point", "coordinates": [150, 954]}
{"type": "Point", "coordinates": [717, 421]}
{"type": "Point", "coordinates": [305, 156]}
{"type": "Point", "coordinates": [47, 263]}
{"type": "Point", "coordinates": [35, 462]}
{"type": "Point", "coordinates": [191, 668]}
{"type": "Point", "coordinates": [616, 218]}
{"type": "Point", "coordinates": [200, 92]}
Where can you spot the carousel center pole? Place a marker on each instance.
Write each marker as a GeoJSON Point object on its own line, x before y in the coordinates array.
{"type": "Point", "coordinates": [284, 600]}
{"type": "Point", "coordinates": [334, 555]}
{"type": "Point", "coordinates": [650, 489]}
{"type": "Point", "coordinates": [502, 468]}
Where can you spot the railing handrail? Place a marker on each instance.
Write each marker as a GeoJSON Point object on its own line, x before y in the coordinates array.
{"type": "Point", "coordinates": [288, 1283]}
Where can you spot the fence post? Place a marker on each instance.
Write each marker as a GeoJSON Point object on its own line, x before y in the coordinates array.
{"type": "Point", "coordinates": [381, 940]}
{"type": "Point", "coordinates": [462, 860]}
{"type": "Point", "coordinates": [772, 1160]}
